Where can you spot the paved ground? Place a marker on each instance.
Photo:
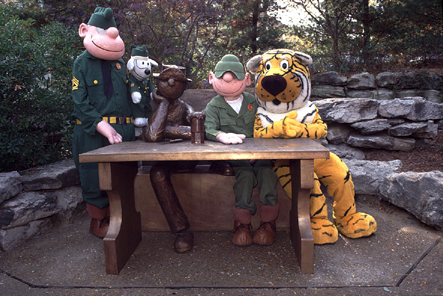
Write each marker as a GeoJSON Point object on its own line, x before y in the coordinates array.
{"type": "Point", "coordinates": [404, 257]}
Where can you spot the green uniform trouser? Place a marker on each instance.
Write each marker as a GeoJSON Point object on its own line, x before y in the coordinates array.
{"type": "Point", "coordinates": [88, 172]}
{"type": "Point", "coordinates": [247, 177]}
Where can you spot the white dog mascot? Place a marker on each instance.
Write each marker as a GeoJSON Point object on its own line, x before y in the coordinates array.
{"type": "Point", "coordinates": [141, 86]}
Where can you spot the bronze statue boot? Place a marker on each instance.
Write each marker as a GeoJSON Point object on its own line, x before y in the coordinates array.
{"type": "Point", "coordinates": [99, 220]}
{"type": "Point", "coordinates": [242, 227]}
{"type": "Point", "coordinates": [265, 234]}
{"type": "Point", "coordinates": [221, 167]}
{"type": "Point", "coordinates": [184, 241]}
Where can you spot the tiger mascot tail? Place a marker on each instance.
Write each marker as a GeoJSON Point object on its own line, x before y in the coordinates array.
{"type": "Point", "coordinates": [283, 90]}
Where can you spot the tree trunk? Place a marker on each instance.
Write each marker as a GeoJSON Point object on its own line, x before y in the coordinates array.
{"type": "Point", "coordinates": [366, 31]}
{"type": "Point", "coordinates": [255, 15]}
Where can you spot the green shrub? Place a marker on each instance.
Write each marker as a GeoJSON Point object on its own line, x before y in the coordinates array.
{"type": "Point", "coordinates": [35, 87]}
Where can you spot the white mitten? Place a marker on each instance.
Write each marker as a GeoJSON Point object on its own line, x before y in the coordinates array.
{"type": "Point", "coordinates": [230, 138]}
{"type": "Point", "coordinates": [140, 122]}
{"type": "Point", "coordinates": [136, 97]}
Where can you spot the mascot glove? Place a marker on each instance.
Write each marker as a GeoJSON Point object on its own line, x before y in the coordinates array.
{"type": "Point", "coordinates": [291, 126]}
{"type": "Point", "coordinates": [140, 122]}
{"type": "Point", "coordinates": [136, 97]}
{"type": "Point", "coordinates": [104, 128]}
{"type": "Point", "coordinates": [230, 138]}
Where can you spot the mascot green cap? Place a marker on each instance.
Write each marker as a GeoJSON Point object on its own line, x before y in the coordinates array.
{"type": "Point", "coordinates": [139, 51]}
{"type": "Point", "coordinates": [230, 63]}
{"type": "Point", "coordinates": [102, 18]}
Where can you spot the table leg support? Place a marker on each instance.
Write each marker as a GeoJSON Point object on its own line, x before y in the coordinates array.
{"type": "Point", "coordinates": [124, 234]}
{"type": "Point", "coordinates": [302, 174]}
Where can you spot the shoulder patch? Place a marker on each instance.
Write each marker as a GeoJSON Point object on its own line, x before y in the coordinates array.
{"type": "Point", "coordinates": [75, 83]}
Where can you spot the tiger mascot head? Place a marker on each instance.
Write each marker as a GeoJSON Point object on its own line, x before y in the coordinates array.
{"type": "Point", "coordinates": [282, 80]}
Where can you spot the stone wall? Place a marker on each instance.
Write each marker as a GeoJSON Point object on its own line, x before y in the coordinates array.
{"type": "Point", "coordinates": [402, 120]}
{"type": "Point", "coordinates": [32, 202]}
{"type": "Point", "coordinates": [392, 111]}
{"type": "Point", "coordinates": [398, 124]}
{"type": "Point", "coordinates": [384, 86]}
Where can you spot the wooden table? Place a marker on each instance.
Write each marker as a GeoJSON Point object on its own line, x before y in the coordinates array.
{"type": "Point", "coordinates": [118, 168]}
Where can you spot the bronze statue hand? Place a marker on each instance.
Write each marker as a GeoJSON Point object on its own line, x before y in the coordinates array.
{"type": "Point", "coordinates": [158, 98]}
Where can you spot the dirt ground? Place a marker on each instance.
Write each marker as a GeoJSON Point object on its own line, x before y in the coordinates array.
{"type": "Point", "coordinates": [418, 160]}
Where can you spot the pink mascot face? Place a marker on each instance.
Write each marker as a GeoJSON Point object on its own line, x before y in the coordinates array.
{"type": "Point", "coordinates": [228, 85]}
{"type": "Point", "coordinates": [101, 37]}
{"type": "Point", "coordinates": [229, 78]}
{"type": "Point", "coordinates": [103, 44]}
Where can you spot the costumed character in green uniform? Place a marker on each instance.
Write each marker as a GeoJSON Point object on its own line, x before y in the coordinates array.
{"type": "Point", "coordinates": [141, 86]}
{"type": "Point", "coordinates": [101, 106]}
{"type": "Point", "coordinates": [230, 119]}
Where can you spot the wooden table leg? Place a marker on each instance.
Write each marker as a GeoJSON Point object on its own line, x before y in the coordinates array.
{"type": "Point", "coordinates": [302, 174]}
{"type": "Point", "coordinates": [124, 232]}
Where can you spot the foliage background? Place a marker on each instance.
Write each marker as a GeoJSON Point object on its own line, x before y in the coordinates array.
{"type": "Point", "coordinates": [39, 43]}
{"type": "Point", "coordinates": [35, 70]}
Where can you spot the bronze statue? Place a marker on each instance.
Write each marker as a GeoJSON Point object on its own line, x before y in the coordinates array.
{"type": "Point", "coordinates": [172, 120]}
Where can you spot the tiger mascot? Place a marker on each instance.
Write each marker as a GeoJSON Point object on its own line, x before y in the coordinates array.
{"type": "Point", "coordinates": [283, 90]}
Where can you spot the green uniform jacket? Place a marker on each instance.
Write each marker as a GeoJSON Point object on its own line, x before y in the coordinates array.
{"type": "Point", "coordinates": [220, 117]}
{"type": "Point", "coordinates": [144, 87]}
{"type": "Point", "coordinates": [90, 102]}
{"type": "Point", "coordinates": [90, 105]}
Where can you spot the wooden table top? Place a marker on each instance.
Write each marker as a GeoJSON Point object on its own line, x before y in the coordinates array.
{"type": "Point", "coordinates": [251, 148]}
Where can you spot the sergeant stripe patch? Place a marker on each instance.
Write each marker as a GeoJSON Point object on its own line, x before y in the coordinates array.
{"type": "Point", "coordinates": [75, 83]}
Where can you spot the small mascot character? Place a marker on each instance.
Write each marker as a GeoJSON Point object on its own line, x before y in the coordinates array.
{"type": "Point", "coordinates": [141, 86]}
{"type": "Point", "coordinates": [283, 91]}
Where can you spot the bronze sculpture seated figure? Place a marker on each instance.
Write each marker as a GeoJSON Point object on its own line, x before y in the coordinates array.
{"type": "Point", "coordinates": [171, 120]}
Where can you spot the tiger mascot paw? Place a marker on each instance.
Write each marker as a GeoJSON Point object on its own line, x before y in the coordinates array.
{"type": "Point", "coordinates": [324, 231]}
{"type": "Point", "coordinates": [291, 126]}
{"type": "Point", "coordinates": [356, 225]}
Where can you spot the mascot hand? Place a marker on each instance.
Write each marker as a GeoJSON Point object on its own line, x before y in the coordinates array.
{"type": "Point", "coordinates": [136, 97]}
{"type": "Point", "coordinates": [291, 126]}
{"type": "Point", "coordinates": [140, 122]}
{"type": "Point", "coordinates": [104, 128]}
{"type": "Point", "coordinates": [230, 138]}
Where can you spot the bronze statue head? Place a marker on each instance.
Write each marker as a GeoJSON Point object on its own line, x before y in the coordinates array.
{"type": "Point", "coordinates": [171, 82]}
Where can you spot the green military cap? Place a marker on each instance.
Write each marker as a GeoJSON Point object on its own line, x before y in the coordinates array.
{"type": "Point", "coordinates": [230, 63]}
{"type": "Point", "coordinates": [139, 51]}
{"type": "Point", "coordinates": [102, 18]}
